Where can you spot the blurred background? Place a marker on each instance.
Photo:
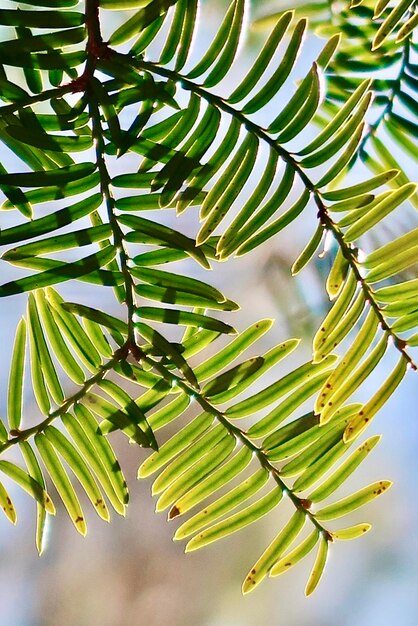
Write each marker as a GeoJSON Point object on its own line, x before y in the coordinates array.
{"type": "Point", "coordinates": [131, 573]}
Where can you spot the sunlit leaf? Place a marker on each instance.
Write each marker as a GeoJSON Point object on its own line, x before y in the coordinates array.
{"type": "Point", "coordinates": [29, 484]}
{"type": "Point", "coordinates": [354, 501]}
{"type": "Point", "coordinates": [62, 482]}
{"type": "Point", "coordinates": [318, 566]}
{"type": "Point", "coordinates": [16, 378]}
{"type": "Point", "coordinates": [273, 553]}
{"type": "Point", "coordinates": [235, 522]}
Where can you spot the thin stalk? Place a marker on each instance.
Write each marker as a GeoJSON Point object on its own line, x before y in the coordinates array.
{"type": "Point", "coordinates": [105, 180]}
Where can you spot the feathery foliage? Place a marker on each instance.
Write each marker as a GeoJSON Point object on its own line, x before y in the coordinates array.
{"type": "Point", "coordinates": [161, 129]}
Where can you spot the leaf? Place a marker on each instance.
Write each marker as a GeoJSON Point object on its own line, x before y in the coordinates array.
{"type": "Point", "coordinates": [186, 39]}
{"type": "Point", "coordinates": [48, 368]}
{"type": "Point", "coordinates": [350, 359]}
{"type": "Point", "coordinates": [270, 358]}
{"type": "Point", "coordinates": [276, 226]}
{"type": "Point", "coordinates": [131, 408]}
{"type": "Point", "coordinates": [104, 452]}
{"type": "Point", "coordinates": [397, 263]}
{"type": "Point", "coordinates": [272, 86]}
{"type": "Point", "coordinates": [62, 482]}
{"type": "Point", "coordinates": [16, 378]}
{"type": "Point", "coordinates": [306, 112]}
{"type": "Point", "coordinates": [98, 338]}
{"type": "Point", "coordinates": [368, 411]}
{"type": "Point", "coordinates": [345, 157]}
{"type": "Point", "coordinates": [52, 3]}
{"type": "Point", "coordinates": [169, 412]}
{"type": "Point", "coordinates": [44, 42]}
{"type": "Point", "coordinates": [214, 481]}
{"type": "Point", "coordinates": [96, 316]}
{"type": "Point", "coordinates": [407, 28]}
{"type": "Point", "coordinates": [7, 505]}
{"type": "Point", "coordinates": [349, 383]}
{"type": "Point", "coordinates": [308, 252]}
{"type": "Point", "coordinates": [115, 418]}
{"type": "Point", "coordinates": [317, 449]}
{"type": "Point", "coordinates": [389, 23]}
{"type": "Point", "coordinates": [78, 466]}
{"type": "Point", "coordinates": [198, 472]}
{"type": "Point", "coordinates": [276, 390]}
{"type": "Point", "coordinates": [380, 255]}
{"type": "Point", "coordinates": [205, 174]}
{"type": "Point", "coordinates": [297, 554]}
{"type": "Point", "coordinates": [29, 484]}
{"type": "Point", "coordinates": [229, 353]}
{"type": "Point", "coordinates": [340, 118]}
{"type": "Point", "coordinates": [274, 551]}
{"type": "Point", "coordinates": [407, 289]}
{"type": "Point", "coordinates": [235, 522]}
{"type": "Point", "coordinates": [218, 43]}
{"type": "Point", "coordinates": [96, 277]}
{"type": "Point", "coordinates": [347, 322]}
{"type": "Point", "coordinates": [287, 406]}
{"type": "Point", "coordinates": [139, 21]}
{"type": "Point", "coordinates": [189, 456]}
{"type": "Point", "coordinates": [58, 176]}
{"type": "Point", "coordinates": [231, 240]}
{"type": "Point", "coordinates": [232, 377]}
{"type": "Point", "coordinates": [74, 332]}
{"type": "Point", "coordinates": [227, 188]}
{"type": "Point", "coordinates": [380, 7]}
{"type": "Point", "coordinates": [175, 445]}
{"type": "Point", "coordinates": [318, 566]}
{"type": "Point", "coordinates": [250, 206]}
{"type": "Point", "coordinates": [341, 137]}
{"type": "Point", "coordinates": [3, 432]}
{"type": "Point", "coordinates": [354, 501]}
{"type": "Point", "coordinates": [38, 380]}
{"type": "Point", "coordinates": [260, 65]}
{"type": "Point", "coordinates": [297, 101]}
{"type": "Point", "coordinates": [358, 202]}
{"type": "Point", "coordinates": [182, 283]}
{"type": "Point", "coordinates": [122, 5]}
{"type": "Point", "coordinates": [175, 316]}
{"type": "Point", "coordinates": [165, 235]}
{"type": "Point", "coordinates": [380, 211]}
{"type": "Point", "coordinates": [317, 468]}
{"type": "Point", "coordinates": [172, 296]}
{"type": "Point", "coordinates": [224, 504]}
{"type": "Point", "coordinates": [59, 274]}
{"type": "Point", "coordinates": [337, 274]}
{"type": "Point", "coordinates": [42, 19]}
{"type": "Point", "coordinates": [11, 91]}
{"type": "Point", "coordinates": [363, 187]}
{"type": "Point", "coordinates": [289, 433]}
{"type": "Point", "coordinates": [46, 141]}
{"type": "Point", "coordinates": [302, 433]}
{"type": "Point", "coordinates": [336, 312]}
{"type": "Point", "coordinates": [352, 532]}
{"type": "Point", "coordinates": [82, 237]}
{"type": "Point", "coordinates": [226, 57]}
{"type": "Point", "coordinates": [197, 340]}
{"type": "Point", "coordinates": [90, 454]}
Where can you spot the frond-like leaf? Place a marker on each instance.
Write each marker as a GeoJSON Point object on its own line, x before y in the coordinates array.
{"type": "Point", "coordinates": [95, 133]}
